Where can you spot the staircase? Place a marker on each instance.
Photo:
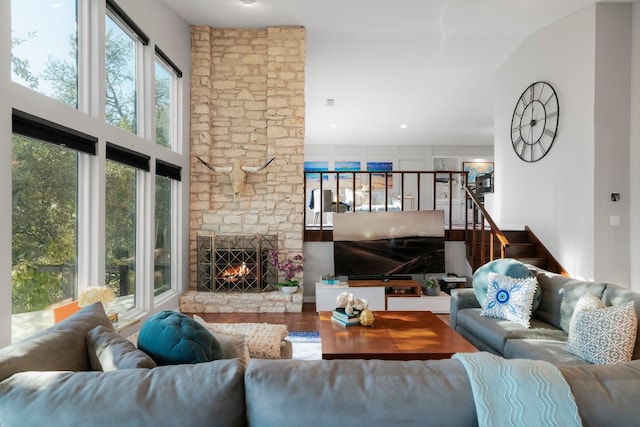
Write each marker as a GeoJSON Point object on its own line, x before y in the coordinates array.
{"type": "Point", "coordinates": [486, 242]}
{"type": "Point", "coordinates": [523, 245]}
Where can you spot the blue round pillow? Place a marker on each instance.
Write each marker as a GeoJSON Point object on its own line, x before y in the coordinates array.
{"type": "Point", "coordinates": [504, 267]}
{"type": "Point", "coordinates": [173, 338]}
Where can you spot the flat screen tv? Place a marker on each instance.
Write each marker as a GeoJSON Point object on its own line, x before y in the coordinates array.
{"type": "Point", "coordinates": [387, 244]}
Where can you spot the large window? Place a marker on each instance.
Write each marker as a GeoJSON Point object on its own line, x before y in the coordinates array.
{"type": "Point", "coordinates": [162, 236]}
{"type": "Point", "coordinates": [45, 200]}
{"type": "Point", "coordinates": [44, 48]}
{"type": "Point", "coordinates": [83, 206]}
{"type": "Point", "coordinates": [121, 83]}
{"type": "Point", "coordinates": [164, 103]}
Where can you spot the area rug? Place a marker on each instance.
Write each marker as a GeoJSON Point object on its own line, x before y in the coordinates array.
{"type": "Point", "coordinates": [305, 345]}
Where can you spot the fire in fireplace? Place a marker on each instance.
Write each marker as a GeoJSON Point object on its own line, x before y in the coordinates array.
{"type": "Point", "coordinates": [236, 263]}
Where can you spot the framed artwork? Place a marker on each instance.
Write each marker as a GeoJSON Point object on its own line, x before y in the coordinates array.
{"type": "Point", "coordinates": [378, 179]}
{"type": "Point", "coordinates": [476, 168]}
{"type": "Point", "coordinates": [316, 166]}
{"type": "Point", "coordinates": [346, 179]}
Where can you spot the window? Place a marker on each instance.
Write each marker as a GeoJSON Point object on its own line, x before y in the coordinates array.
{"type": "Point", "coordinates": [167, 180]}
{"type": "Point", "coordinates": [121, 216]}
{"type": "Point", "coordinates": [164, 102]}
{"type": "Point", "coordinates": [121, 81]}
{"type": "Point", "coordinates": [44, 219]}
{"type": "Point", "coordinates": [38, 27]}
{"type": "Point", "coordinates": [66, 235]}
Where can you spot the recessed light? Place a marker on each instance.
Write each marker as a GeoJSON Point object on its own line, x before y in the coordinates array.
{"type": "Point", "coordinates": [403, 126]}
{"type": "Point", "coordinates": [248, 2]}
{"type": "Point", "coordinates": [333, 125]}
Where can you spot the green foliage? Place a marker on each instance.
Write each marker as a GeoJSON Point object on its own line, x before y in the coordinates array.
{"type": "Point", "coordinates": [19, 66]}
{"type": "Point", "coordinates": [44, 198]}
{"type": "Point", "coordinates": [45, 186]}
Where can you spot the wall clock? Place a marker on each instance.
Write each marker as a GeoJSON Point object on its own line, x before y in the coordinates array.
{"type": "Point", "coordinates": [534, 124]}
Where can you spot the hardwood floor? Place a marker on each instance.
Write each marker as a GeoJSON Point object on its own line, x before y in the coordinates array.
{"type": "Point", "coordinates": [305, 321]}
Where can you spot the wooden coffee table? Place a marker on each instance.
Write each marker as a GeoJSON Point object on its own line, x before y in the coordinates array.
{"type": "Point", "coordinates": [395, 335]}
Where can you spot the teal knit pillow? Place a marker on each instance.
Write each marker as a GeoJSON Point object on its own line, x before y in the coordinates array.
{"type": "Point", "coordinates": [172, 338]}
{"type": "Point", "coordinates": [504, 267]}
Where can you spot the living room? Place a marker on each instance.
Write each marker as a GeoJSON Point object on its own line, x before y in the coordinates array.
{"type": "Point", "coordinates": [573, 212]}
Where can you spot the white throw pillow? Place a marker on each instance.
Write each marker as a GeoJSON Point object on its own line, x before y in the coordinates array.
{"type": "Point", "coordinates": [510, 298]}
{"type": "Point", "coordinates": [604, 335]}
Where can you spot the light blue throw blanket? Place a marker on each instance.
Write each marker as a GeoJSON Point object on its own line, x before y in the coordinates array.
{"type": "Point", "coordinates": [519, 392]}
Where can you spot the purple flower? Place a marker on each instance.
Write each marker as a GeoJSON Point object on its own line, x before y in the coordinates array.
{"type": "Point", "coordinates": [290, 267]}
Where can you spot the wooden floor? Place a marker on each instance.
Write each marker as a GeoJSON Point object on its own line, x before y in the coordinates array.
{"type": "Point", "coordinates": [305, 321]}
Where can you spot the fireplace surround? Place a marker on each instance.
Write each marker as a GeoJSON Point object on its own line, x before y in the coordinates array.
{"type": "Point", "coordinates": [236, 263]}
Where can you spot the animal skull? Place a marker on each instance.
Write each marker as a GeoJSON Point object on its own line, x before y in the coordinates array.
{"type": "Point", "coordinates": [238, 175]}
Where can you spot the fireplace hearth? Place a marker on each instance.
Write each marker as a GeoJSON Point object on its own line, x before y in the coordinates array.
{"type": "Point", "coordinates": [236, 263]}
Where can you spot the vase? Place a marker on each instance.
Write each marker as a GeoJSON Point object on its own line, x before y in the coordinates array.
{"type": "Point", "coordinates": [289, 289]}
{"type": "Point", "coordinates": [433, 292]}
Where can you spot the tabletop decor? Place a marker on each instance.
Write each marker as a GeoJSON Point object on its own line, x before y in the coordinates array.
{"type": "Point", "coordinates": [290, 267]}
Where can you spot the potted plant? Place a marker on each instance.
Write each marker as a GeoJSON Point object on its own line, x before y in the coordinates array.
{"type": "Point", "coordinates": [290, 267]}
{"type": "Point", "coordinates": [432, 287]}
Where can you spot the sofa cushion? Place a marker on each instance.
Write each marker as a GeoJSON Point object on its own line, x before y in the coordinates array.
{"type": "Point", "coordinates": [62, 347]}
{"type": "Point", "coordinates": [615, 295]}
{"type": "Point", "coordinates": [551, 351]}
{"type": "Point", "coordinates": [173, 338]}
{"type": "Point", "coordinates": [510, 298]}
{"type": "Point", "coordinates": [559, 297]}
{"type": "Point", "coordinates": [607, 395]}
{"type": "Point", "coordinates": [181, 395]}
{"type": "Point", "coordinates": [108, 351]}
{"type": "Point", "coordinates": [495, 332]}
{"type": "Point", "coordinates": [358, 393]}
{"type": "Point", "coordinates": [505, 267]}
{"type": "Point", "coordinates": [604, 335]}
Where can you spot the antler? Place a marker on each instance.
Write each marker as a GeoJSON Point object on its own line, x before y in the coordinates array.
{"type": "Point", "coordinates": [223, 169]}
{"type": "Point", "coordinates": [254, 169]}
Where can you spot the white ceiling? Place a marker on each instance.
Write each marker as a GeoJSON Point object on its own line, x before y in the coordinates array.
{"type": "Point", "coordinates": [424, 63]}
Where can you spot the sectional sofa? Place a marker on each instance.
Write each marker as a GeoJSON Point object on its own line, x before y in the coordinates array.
{"type": "Point", "coordinates": [48, 379]}
{"type": "Point", "coordinates": [546, 337]}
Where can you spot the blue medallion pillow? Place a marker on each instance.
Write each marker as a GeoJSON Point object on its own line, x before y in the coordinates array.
{"type": "Point", "coordinates": [173, 338]}
{"type": "Point", "coordinates": [505, 267]}
{"type": "Point", "coordinates": [510, 298]}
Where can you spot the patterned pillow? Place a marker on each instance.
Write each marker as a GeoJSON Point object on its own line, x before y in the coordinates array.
{"type": "Point", "coordinates": [604, 335]}
{"type": "Point", "coordinates": [510, 298]}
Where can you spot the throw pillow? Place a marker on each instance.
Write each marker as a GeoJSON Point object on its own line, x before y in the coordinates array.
{"type": "Point", "coordinates": [109, 351]}
{"type": "Point", "coordinates": [604, 335]}
{"type": "Point", "coordinates": [505, 267]}
{"type": "Point", "coordinates": [173, 338]}
{"type": "Point", "coordinates": [510, 298]}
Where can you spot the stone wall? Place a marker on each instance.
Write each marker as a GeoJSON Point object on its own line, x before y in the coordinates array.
{"type": "Point", "coordinates": [247, 106]}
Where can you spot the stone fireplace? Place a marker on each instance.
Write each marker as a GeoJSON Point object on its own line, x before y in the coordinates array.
{"type": "Point", "coordinates": [247, 106]}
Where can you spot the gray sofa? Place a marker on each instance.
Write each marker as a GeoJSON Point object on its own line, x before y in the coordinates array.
{"type": "Point", "coordinates": [546, 338]}
{"type": "Point", "coordinates": [47, 380]}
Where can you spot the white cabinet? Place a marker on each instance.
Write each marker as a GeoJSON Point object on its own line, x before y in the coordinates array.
{"type": "Point", "coordinates": [437, 304]}
{"type": "Point", "coordinates": [326, 296]}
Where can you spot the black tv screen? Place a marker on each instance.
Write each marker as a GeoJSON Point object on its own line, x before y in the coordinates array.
{"type": "Point", "coordinates": [388, 243]}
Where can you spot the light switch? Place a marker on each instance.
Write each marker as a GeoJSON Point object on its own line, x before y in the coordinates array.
{"type": "Point", "coordinates": [614, 220]}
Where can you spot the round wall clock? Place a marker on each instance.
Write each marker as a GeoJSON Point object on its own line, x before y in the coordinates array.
{"type": "Point", "coordinates": [534, 124]}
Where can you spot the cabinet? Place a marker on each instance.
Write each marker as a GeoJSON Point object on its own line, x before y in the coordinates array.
{"type": "Point", "coordinates": [326, 295]}
{"type": "Point", "coordinates": [437, 304]}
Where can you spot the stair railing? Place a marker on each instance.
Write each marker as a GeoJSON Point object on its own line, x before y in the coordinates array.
{"type": "Point", "coordinates": [476, 238]}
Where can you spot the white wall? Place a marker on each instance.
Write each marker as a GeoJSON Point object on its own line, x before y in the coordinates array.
{"type": "Point", "coordinates": [558, 196]}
